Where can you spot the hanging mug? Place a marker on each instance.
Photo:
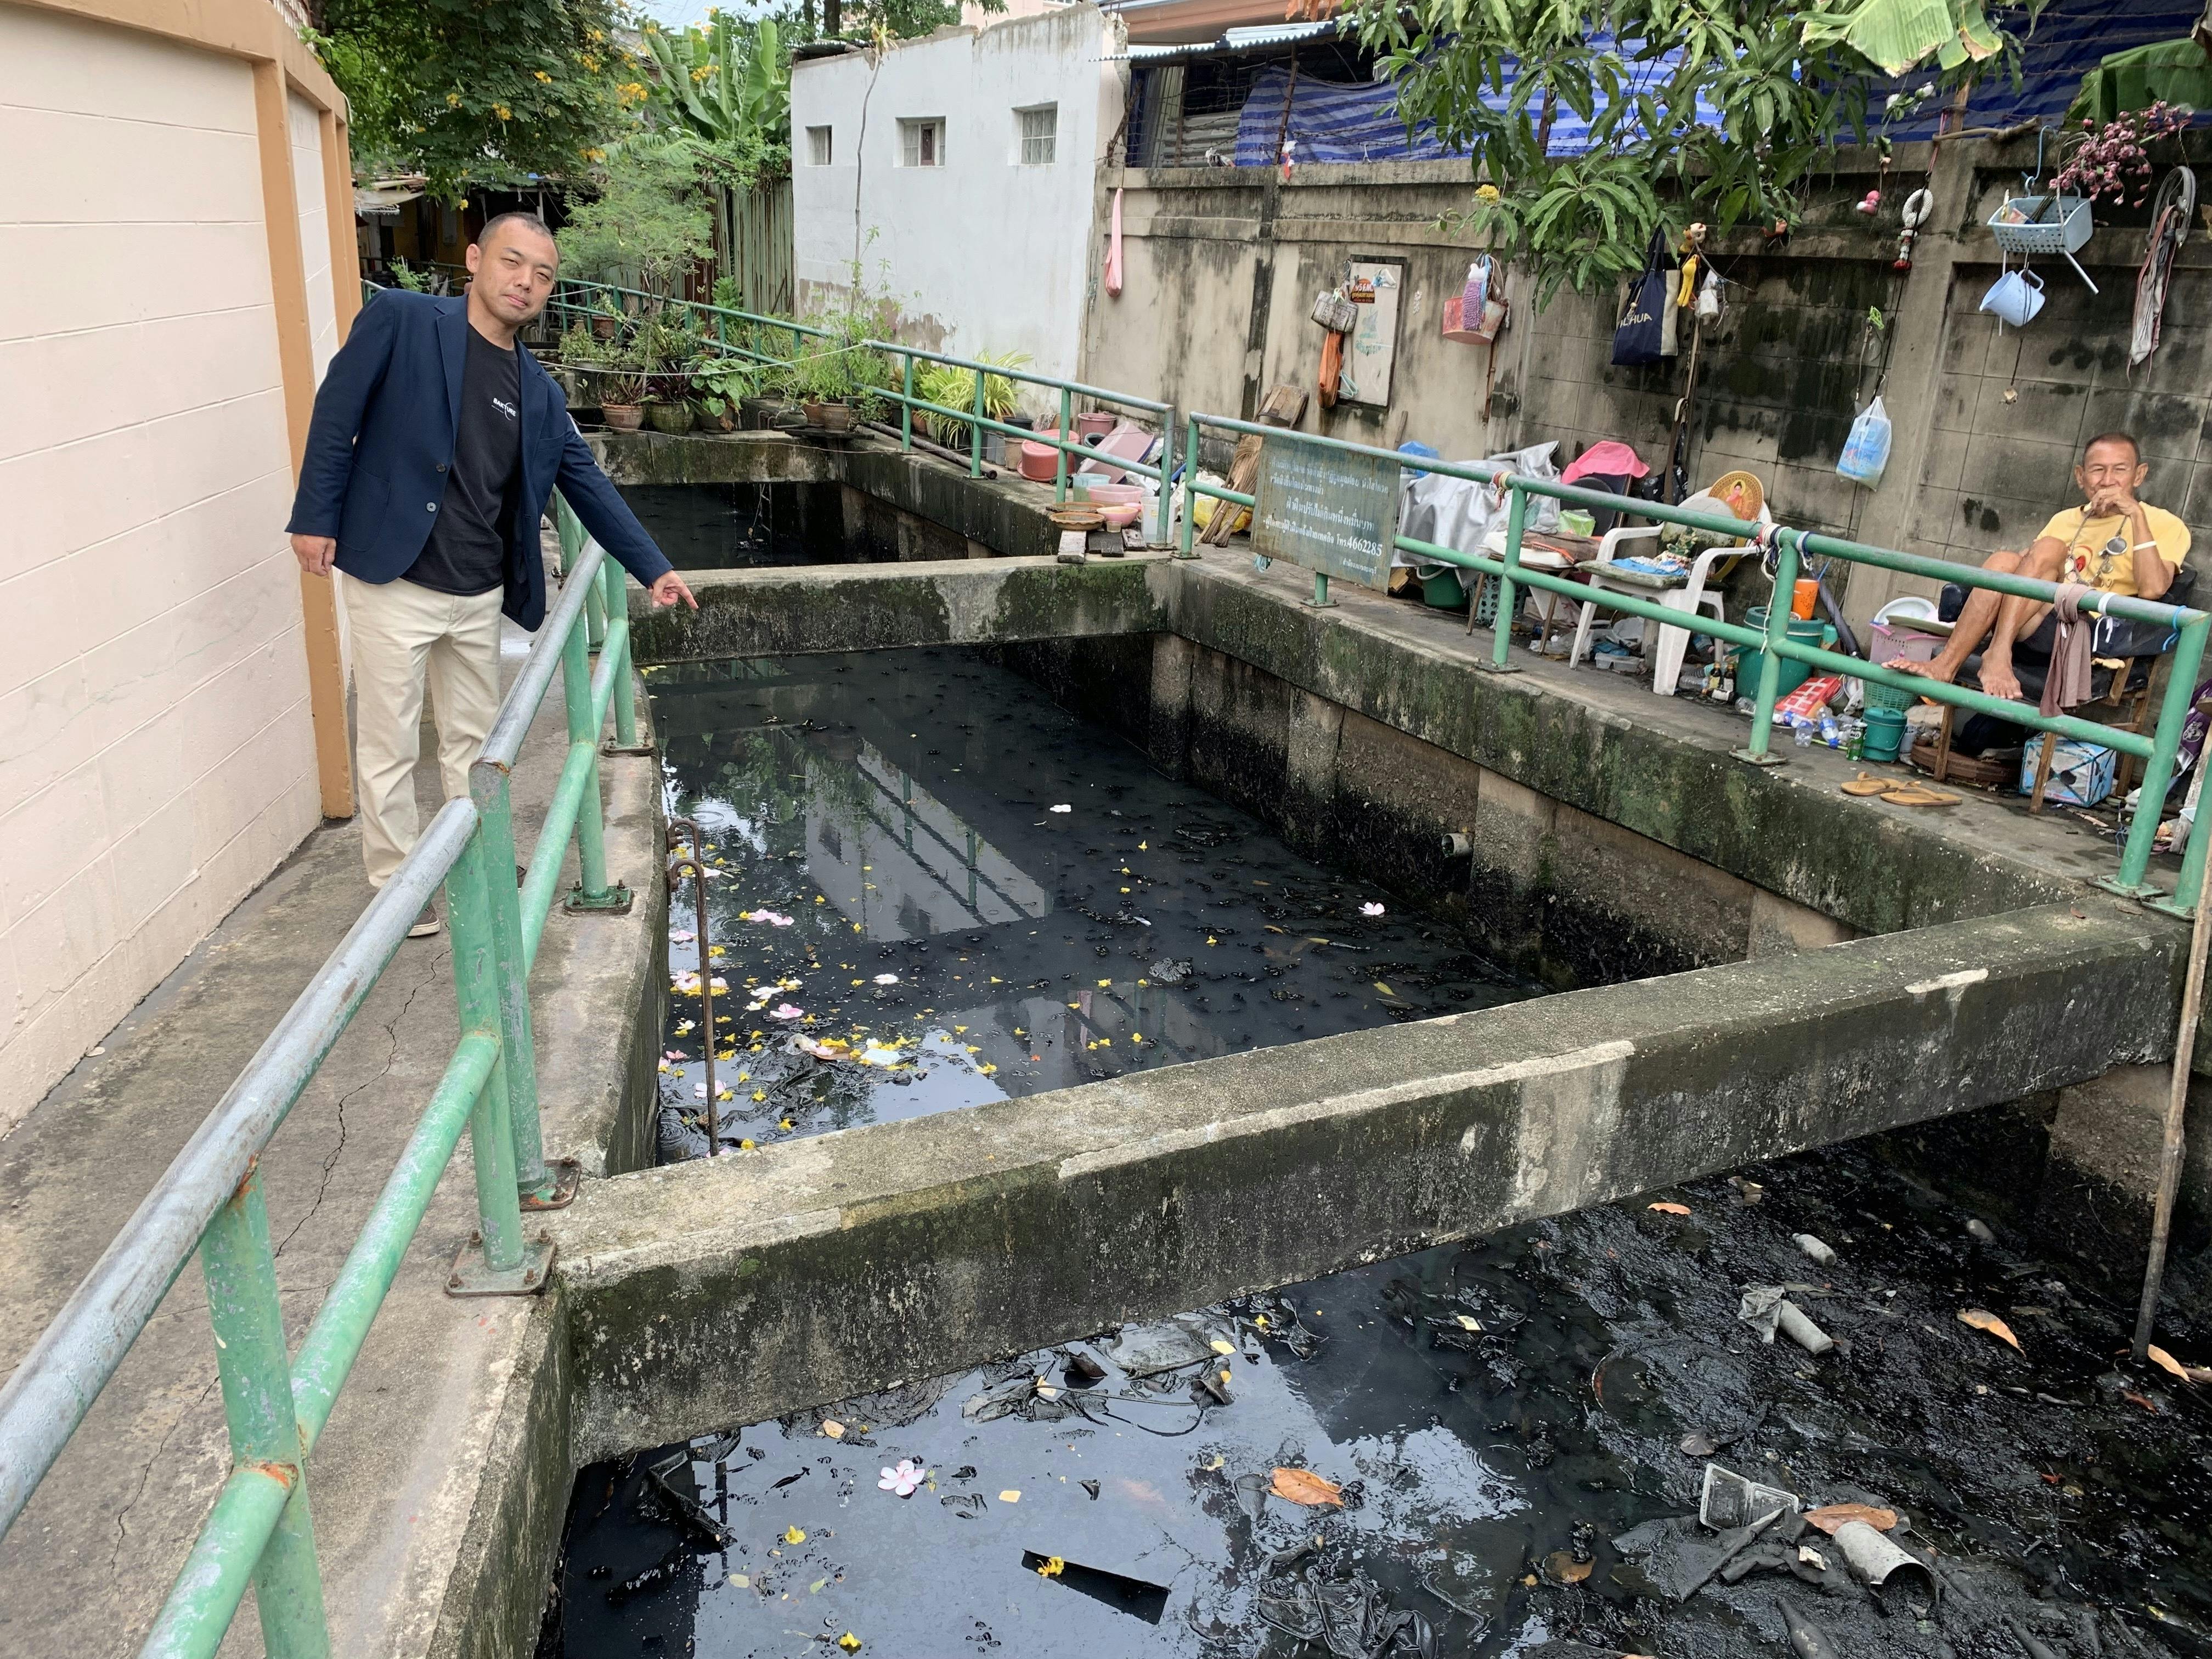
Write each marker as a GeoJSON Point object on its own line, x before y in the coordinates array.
{"type": "Point", "coordinates": [2014, 297]}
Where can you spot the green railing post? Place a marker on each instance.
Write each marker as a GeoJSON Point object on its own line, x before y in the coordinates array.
{"type": "Point", "coordinates": [906, 408]}
{"type": "Point", "coordinates": [1509, 590]}
{"type": "Point", "coordinates": [257, 1400]}
{"type": "Point", "coordinates": [594, 892]}
{"type": "Point", "coordinates": [1189, 490]}
{"type": "Point", "coordinates": [1060, 455]}
{"type": "Point", "coordinates": [975, 432]}
{"type": "Point", "coordinates": [497, 1261]}
{"type": "Point", "coordinates": [510, 970]}
{"type": "Point", "coordinates": [2157, 771]}
{"type": "Point", "coordinates": [1167, 473]}
{"type": "Point", "coordinates": [624, 696]}
{"type": "Point", "coordinates": [595, 615]}
{"type": "Point", "coordinates": [1758, 748]}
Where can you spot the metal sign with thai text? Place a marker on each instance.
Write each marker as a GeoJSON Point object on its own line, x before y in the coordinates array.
{"type": "Point", "coordinates": [1330, 510]}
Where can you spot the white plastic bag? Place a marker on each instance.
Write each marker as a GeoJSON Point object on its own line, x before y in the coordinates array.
{"type": "Point", "coordinates": [1866, 451]}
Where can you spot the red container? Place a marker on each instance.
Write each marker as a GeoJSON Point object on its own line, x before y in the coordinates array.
{"type": "Point", "coordinates": [1038, 461]}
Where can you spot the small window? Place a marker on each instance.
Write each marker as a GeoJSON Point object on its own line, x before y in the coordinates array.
{"type": "Point", "coordinates": [819, 149]}
{"type": "Point", "coordinates": [921, 143]}
{"type": "Point", "coordinates": [1039, 128]}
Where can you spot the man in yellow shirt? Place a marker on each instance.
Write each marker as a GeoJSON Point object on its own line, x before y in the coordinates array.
{"type": "Point", "coordinates": [2112, 542]}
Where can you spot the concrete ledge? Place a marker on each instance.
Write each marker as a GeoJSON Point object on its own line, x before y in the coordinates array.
{"type": "Point", "coordinates": [654, 458]}
{"type": "Point", "coordinates": [777, 612]}
{"type": "Point", "coordinates": [703, 1295]}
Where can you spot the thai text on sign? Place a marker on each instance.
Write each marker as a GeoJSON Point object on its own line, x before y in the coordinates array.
{"type": "Point", "coordinates": [1331, 510]}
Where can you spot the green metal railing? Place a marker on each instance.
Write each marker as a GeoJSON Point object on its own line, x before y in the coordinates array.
{"type": "Point", "coordinates": [2157, 750]}
{"type": "Point", "coordinates": [260, 1531]}
{"type": "Point", "coordinates": [575, 300]}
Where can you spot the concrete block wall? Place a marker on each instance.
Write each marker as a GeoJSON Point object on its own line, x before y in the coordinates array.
{"type": "Point", "coordinates": [1223, 266]}
{"type": "Point", "coordinates": [2014, 407]}
{"type": "Point", "coordinates": [157, 759]}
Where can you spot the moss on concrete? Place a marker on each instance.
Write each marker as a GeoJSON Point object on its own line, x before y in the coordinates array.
{"type": "Point", "coordinates": [912, 1248]}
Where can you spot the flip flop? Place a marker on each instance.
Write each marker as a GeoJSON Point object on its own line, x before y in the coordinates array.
{"type": "Point", "coordinates": [1911, 794]}
{"type": "Point", "coordinates": [1863, 785]}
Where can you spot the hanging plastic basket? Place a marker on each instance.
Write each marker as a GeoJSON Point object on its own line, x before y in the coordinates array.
{"type": "Point", "coordinates": [2045, 224]}
{"type": "Point", "coordinates": [2042, 224]}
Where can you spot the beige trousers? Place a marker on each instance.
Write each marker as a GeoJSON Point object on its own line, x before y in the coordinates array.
{"type": "Point", "coordinates": [399, 633]}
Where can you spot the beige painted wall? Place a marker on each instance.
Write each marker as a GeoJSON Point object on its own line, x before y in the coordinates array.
{"type": "Point", "coordinates": [156, 755]}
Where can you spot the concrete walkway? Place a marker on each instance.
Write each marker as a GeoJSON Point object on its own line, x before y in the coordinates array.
{"type": "Point", "coordinates": [396, 1479]}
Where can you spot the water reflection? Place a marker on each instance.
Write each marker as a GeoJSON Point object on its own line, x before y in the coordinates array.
{"type": "Point", "coordinates": [934, 888]}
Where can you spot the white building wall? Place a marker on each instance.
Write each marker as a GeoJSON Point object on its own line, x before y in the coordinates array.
{"type": "Point", "coordinates": [982, 254]}
{"type": "Point", "coordinates": [156, 757]}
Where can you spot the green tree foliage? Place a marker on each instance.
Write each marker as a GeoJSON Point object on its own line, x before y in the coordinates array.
{"type": "Point", "coordinates": [1789, 84]}
{"type": "Point", "coordinates": [469, 92]}
{"type": "Point", "coordinates": [729, 86]}
{"type": "Point", "coordinates": [649, 223]}
{"type": "Point", "coordinates": [889, 20]}
{"type": "Point", "coordinates": [2170, 71]}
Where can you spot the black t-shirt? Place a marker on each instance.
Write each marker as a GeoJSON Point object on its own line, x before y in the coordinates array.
{"type": "Point", "coordinates": [466, 553]}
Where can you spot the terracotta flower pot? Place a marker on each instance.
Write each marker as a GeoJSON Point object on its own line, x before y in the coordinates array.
{"type": "Point", "coordinates": [623, 417]}
{"type": "Point", "coordinates": [830, 417]}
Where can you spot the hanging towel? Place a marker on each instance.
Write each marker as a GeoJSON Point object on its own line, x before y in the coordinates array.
{"type": "Point", "coordinates": [2068, 682]}
{"type": "Point", "coordinates": [1114, 250]}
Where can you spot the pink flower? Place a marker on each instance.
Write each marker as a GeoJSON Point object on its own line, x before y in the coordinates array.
{"type": "Point", "coordinates": [785, 1011]}
{"type": "Point", "coordinates": [903, 1481]}
{"type": "Point", "coordinates": [1370, 908]}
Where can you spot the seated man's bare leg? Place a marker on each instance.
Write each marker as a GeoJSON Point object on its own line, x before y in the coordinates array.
{"type": "Point", "coordinates": [1975, 623]}
{"type": "Point", "coordinates": [2018, 618]}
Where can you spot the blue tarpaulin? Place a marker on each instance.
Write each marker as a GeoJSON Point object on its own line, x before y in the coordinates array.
{"type": "Point", "coordinates": [1359, 121]}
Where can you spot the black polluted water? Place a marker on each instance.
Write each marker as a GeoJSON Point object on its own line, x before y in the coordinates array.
{"type": "Point", "coordinates": [929, 887]}
{"type": "Point", "coordinates": [1497, 1449]}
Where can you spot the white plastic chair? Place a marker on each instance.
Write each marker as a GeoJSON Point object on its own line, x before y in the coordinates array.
{"type": "Point", "coordinates": [1672, 644]}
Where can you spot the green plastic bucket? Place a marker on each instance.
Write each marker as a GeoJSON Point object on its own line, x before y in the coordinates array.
{"type": "Point", "coordinates": [1885, 734]}
{"type": "Point", "coordinates": [1444, 591]}
{"type": "Point", "coordinates": [1794, 673]}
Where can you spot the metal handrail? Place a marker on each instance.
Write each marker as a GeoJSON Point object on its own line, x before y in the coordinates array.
{"type": "Point", "coordinates": [208, 1201]}
{"type": "Point", "coordinates": [2157, 751]}
{"type": "Point", "coordinates": [975, 419]}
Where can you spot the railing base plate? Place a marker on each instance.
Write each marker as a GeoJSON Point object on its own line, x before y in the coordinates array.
{"type": "Point", "coordinates": [2173, 907]}
{"type": "Point", "coordinates": [1770, 759]}
{"type": "Point", "coordinates": [2142, 890]}
{"type": "Point", "coordinates": [469, 1277]}
{"type": "Point", "coordinates": [1488, 666]}
{"type": "Point", "coordinates": [611, 747]}
{"type": "Point", "coordinates": [567, 1173]}
{"type": "Point", "coordinates": [616, 902]}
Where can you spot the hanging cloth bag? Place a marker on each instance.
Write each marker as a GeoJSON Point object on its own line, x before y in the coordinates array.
{"type": "Point", "coordinates": [1640, 336]}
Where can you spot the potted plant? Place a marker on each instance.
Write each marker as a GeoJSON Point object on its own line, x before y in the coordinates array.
{"type": "Point", "coordinates": [953, 387]}
{"type": "Point", "coordinates": [719, 386]}
{"type": "Point", "coordinates": [621, 388]}
{"type": "Point", "coordinates": [824, 382]}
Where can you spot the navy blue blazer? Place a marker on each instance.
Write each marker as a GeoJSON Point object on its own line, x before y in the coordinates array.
{"type": "Point", "coordinates": [383, 436]}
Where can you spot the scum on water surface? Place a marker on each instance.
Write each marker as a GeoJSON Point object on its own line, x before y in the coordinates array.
{"type": "Point", "coordinates": [957, 891]}
{"type": "Point", "coordinates": [1496, 1415]}
{"type": "Point", "coordinates": [932, 888]}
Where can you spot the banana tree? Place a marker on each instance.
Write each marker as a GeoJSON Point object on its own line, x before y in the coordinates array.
{"type": "Point", "coordinates": [1893, 35]}
{"type": "Point", "coordinates": [730, 83]}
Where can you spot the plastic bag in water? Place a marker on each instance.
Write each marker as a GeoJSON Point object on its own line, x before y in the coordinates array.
{"type": "Point", "coordinates": [1866, 451]}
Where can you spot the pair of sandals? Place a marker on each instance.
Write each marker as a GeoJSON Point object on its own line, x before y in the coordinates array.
{"type": "Point", "coordinates": [1899, 791]}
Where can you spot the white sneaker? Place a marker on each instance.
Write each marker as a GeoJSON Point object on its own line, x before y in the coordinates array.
{"type": "Point", "coordinates": [426, 924]}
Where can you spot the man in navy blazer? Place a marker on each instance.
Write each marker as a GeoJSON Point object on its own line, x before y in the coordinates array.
{"type": "Point", "coordinates": [437, 442]}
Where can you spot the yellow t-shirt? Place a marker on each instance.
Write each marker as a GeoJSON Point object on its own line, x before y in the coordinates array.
{"type": "Point", "coordinates": [2101, 552]}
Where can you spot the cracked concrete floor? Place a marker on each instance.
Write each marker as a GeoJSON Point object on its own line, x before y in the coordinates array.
{"type": "Point", "coordinates": [86, 1567]}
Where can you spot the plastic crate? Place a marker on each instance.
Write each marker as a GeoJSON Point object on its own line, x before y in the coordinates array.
{"type": "Point", "coordinates": [2042, 224]}
{"type": "Point", "coordinates": [1888, 697]}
